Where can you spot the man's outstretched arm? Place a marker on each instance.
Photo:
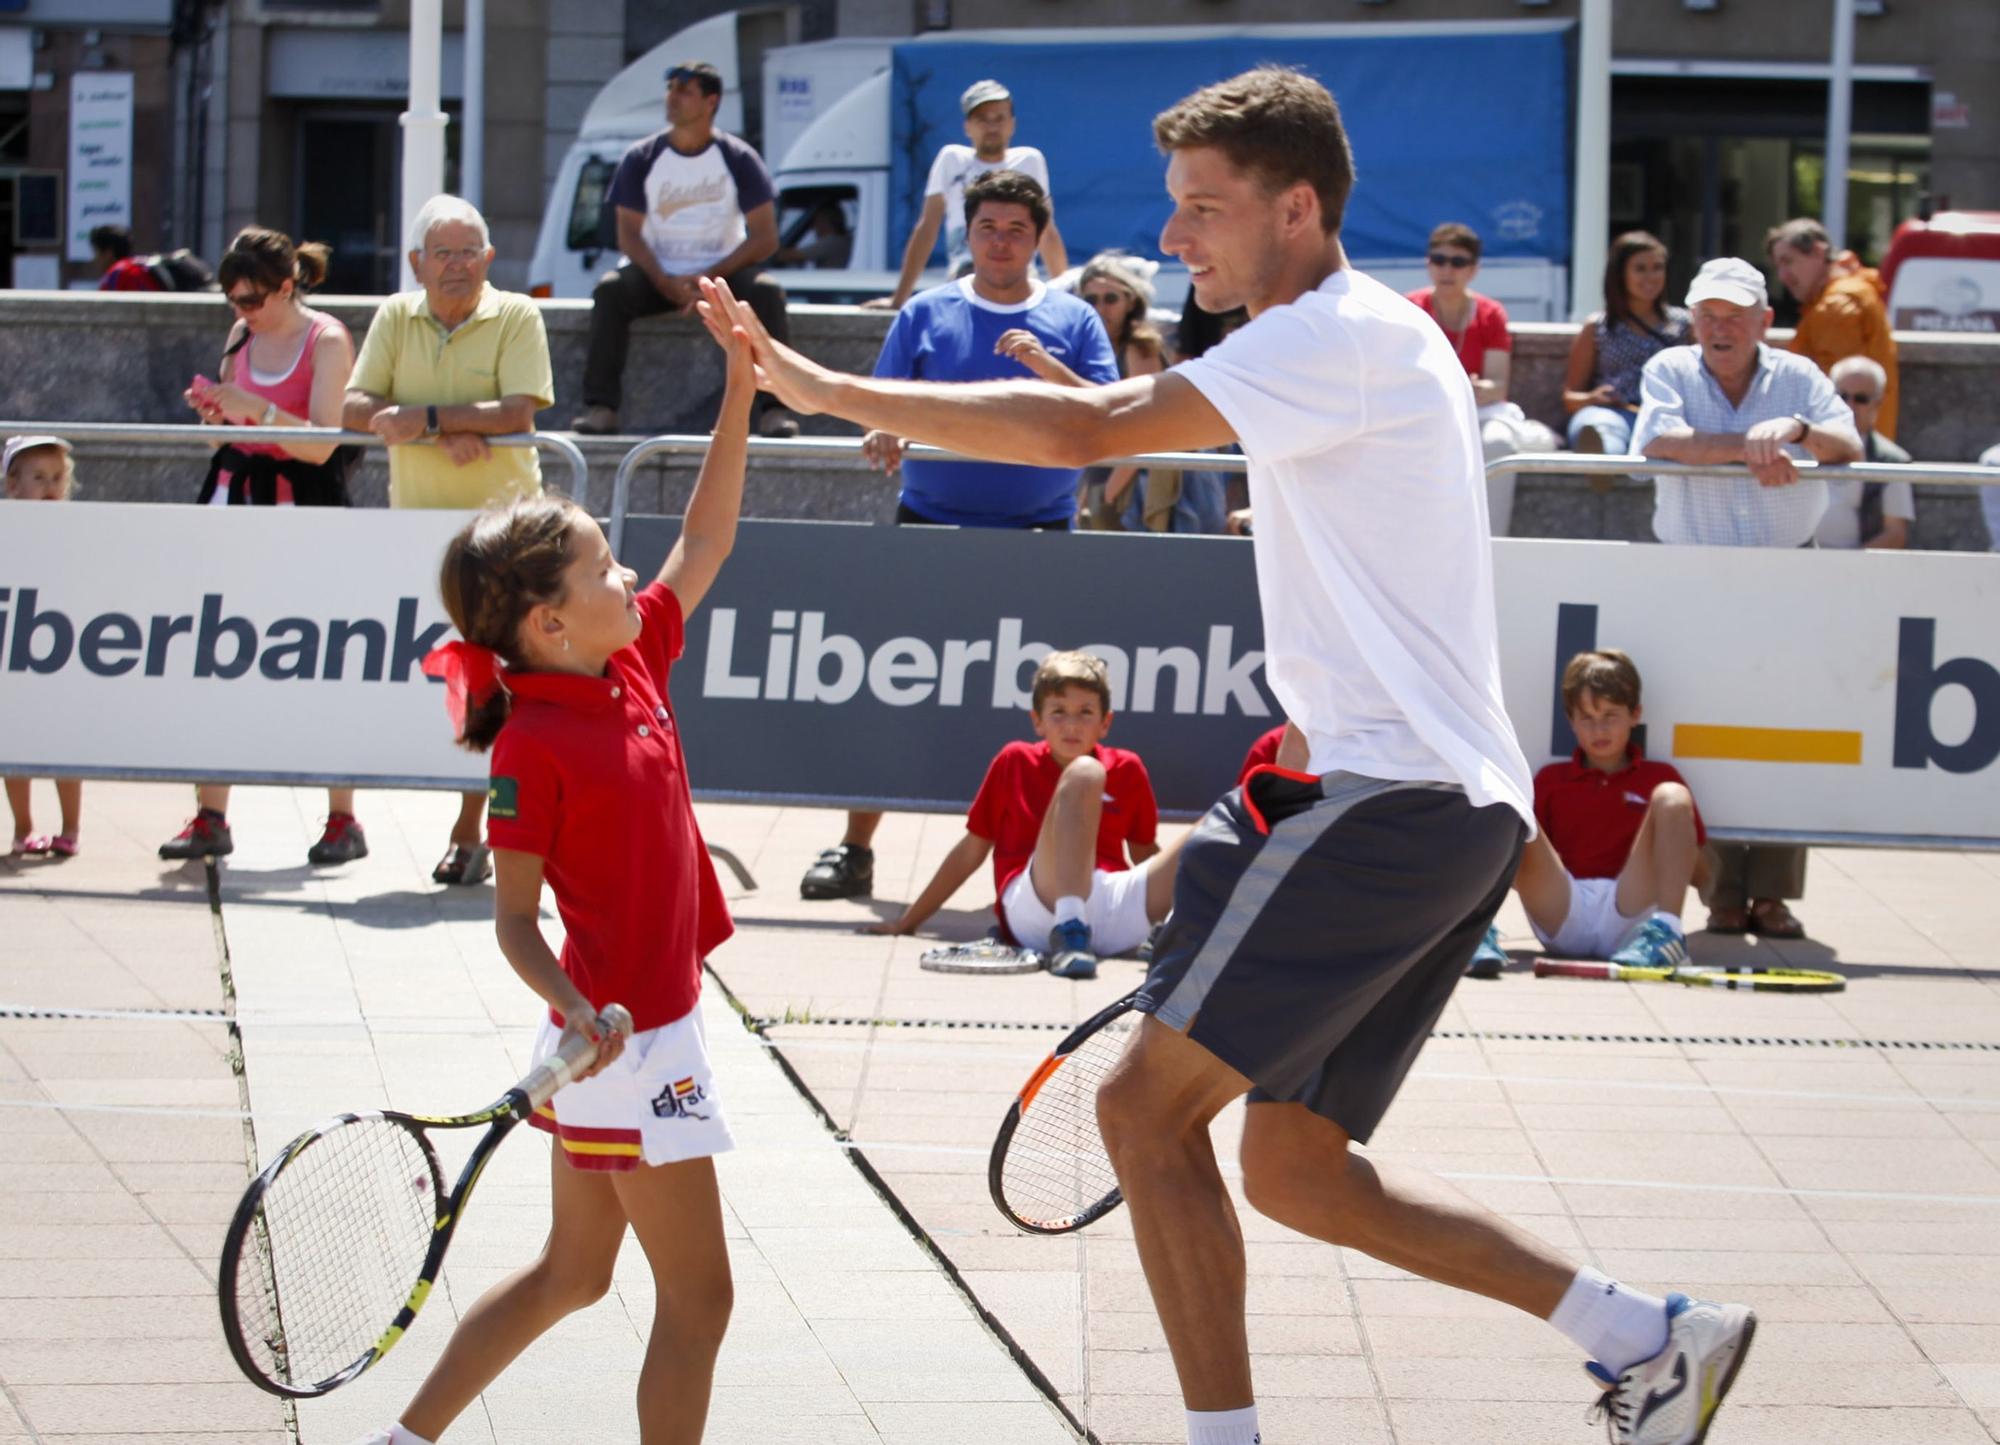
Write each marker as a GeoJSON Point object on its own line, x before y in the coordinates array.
{"type": "Point", "coordinates": [1032, 423]}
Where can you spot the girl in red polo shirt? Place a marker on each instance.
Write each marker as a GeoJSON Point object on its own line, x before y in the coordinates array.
{"type": "Point", "coordinates": [563, 674]}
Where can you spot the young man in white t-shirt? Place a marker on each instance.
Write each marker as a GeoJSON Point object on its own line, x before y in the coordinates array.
{"type": "Point", "coordinates": [1322, 918]}
{"type": "Point", "coordinates": [989, 125]}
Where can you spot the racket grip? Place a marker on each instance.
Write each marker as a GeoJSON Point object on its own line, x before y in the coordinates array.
{"type": "Point", "coordinates": [575, 1053]}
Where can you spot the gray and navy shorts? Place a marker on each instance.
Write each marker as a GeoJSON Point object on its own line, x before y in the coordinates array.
{"type": "Point", "coordinates": [1319, 926]}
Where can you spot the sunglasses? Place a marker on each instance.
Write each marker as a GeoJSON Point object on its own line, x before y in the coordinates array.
{"type": "Point", "coordinates": [1859, 398]}
{"type": "Point", "coordinates": [249, 301]}
{"type": "Point", "coordinates": [680, 73]}
{"type": "Point", "coordinates": [1456, 263]}
{"type": "Point", "coordinates": [1103, 298]}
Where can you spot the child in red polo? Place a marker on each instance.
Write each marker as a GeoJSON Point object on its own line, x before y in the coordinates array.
{"type": "Point", "coordinates": [563, 672]}
{"type": "Point", "coordinates": [1620, 839]}
{"type": "Point", "coordinates": [1059, 817]}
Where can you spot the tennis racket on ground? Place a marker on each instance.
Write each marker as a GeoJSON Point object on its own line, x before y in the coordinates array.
{"type": "Point", "coordinates": [1759, 980]}
{"type": "Point", "coordinates": [1049, 1173]}
{"type": "Point", "coordinates": [338, 1241]}
{"type": "Point", "coordinates": [989, 955]}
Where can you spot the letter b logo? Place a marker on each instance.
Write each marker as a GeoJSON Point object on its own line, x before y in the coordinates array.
{"type": "Point", "coordinates": [1918, 679]}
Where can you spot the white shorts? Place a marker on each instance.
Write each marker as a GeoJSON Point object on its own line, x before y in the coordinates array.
{"type": "Point", "coordinates": [655, 1105]}
{"type": "Point", "coordinates": [1595, 928]}
{"type": "Point", "coordinates": [1115, 911]}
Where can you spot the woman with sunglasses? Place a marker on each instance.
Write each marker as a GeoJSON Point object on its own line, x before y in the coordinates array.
{"type": "Point", "coordinates": [1601, 389]}
{"type": "Point", "coordinates": [285, 365]}
{"type": "Point", "coordinates": [1477, 327]}
{"type": "Point", "coordinates": [1120, 293]}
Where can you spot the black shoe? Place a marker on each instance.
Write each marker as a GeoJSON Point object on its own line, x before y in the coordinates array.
{"type": "Point", "coordinates": [342, 842]}
{"type": "Point", "coordinates": [205, 836]}
{"type": "Point", "coordinates": [843, 872]}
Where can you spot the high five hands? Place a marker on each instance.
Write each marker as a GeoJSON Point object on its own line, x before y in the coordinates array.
{"type": "Point", "coordinates": [797, 382]}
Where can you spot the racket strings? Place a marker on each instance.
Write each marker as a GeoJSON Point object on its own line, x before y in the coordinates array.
{"type": "Point", "coordinates": [338, 1242]}
{"type": "Point", "coordinates": [1056, 1166]}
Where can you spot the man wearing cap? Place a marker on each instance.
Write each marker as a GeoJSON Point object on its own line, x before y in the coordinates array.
{"type": "Point", "coordinates": [1731, 401]}
{"type": "Point", "coordinates": [989, 125]}
{"type": "Point", "coordinates": [691, 201]}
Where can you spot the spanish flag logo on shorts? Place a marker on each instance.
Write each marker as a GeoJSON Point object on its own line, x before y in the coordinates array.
{"type": "Point", "coordinates": [681, 1100]}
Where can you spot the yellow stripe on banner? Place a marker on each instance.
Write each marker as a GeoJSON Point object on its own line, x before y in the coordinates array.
{"type": "Point", "coordinates": [587, 1147]}
{"type": "Point", "coordinates": [1767, 745]}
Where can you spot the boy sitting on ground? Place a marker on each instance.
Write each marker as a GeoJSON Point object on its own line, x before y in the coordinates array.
{"type": "Point", "coordinates": [1620, 837]}
{"type": "Point", "coordinates": [1059, 817]}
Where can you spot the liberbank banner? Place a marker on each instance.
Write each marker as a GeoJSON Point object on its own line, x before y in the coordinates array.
{"type": "Point", "coordinates": [1818, 692]}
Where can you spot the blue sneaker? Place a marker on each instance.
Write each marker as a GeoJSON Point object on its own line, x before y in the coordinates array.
{"type": "Point", "coordinates": [1070, 953]}
{"type": "Point", "coordinates": [1489, 958]}
{"type": "Point", "coordinates": [1657, 944]}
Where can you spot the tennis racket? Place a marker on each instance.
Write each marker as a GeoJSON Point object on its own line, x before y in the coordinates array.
{"type": "Point", "coordinates": [338, 1241]}
{"type": "Point", "coordinates": [1049, 1173]}
{"type": "Point", "coordinates": [989, 955]}
{"type": "Point", "coordinates": [1759, 980]}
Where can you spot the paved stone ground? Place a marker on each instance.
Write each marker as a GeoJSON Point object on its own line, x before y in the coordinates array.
{"type": "Point", "coordinates": [1850, 1192]}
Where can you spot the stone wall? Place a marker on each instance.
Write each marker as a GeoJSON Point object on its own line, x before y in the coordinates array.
{"type": "Point", "coordinates": [85, 357]}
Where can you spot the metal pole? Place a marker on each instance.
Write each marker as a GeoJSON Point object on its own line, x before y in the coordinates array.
{"type": "Point", "coordinates": [1590, 234]}
{"type": "Point", "coordinates": [423, 123]}
{"type": "Point", "coordinates": [472, 119]}
{"type": "Point", "coordinates": [1839, 125]}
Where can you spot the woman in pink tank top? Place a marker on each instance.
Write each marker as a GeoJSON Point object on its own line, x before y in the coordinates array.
{"type": "Point", "coordinates": [286, 366]}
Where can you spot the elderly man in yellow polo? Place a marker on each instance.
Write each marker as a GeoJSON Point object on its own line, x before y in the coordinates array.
{"type": "Point", "coordinates": [440, 371]}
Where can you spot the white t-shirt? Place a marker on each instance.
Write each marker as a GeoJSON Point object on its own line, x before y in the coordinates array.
{"type": "Point", "coordinates": [957, 167]}
{"type": "Point", "coordinates": [1374, 560]}
{"type": "Point", "coordinates": [1840, 524]}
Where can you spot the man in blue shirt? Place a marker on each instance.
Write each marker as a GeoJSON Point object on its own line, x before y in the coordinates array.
{"type": "Point", "coordinates": [997, 324]}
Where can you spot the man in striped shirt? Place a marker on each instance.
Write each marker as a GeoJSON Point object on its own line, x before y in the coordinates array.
{"type": "Point", "coordinates": [1730, 400]}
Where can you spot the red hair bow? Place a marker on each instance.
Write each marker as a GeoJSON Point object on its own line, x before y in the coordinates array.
{"type": "Point", "coordinates": [470, 674]}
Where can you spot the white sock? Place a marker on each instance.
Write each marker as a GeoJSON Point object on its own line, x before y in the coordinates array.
{"type": "Point", "coordinates": [400, 1436]}
{"type": "Point", "coordinates": [1614, 1324]}
{"type": "Point", "coordinates": [1069, 908]}
{"type": "Point", "coordinates": [1223, 1427]}
{"type": "Point", "coordinates": [1671, 920]}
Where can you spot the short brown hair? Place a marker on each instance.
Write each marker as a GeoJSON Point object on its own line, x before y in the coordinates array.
{"type": "Point", "coordinates": [1061, 670]}
{"type": "Point", "coordinates": [1607, 672]}
{"type": "Point", "coordinates": [1801, 234]}
{"type": "Point", "coordinates": [1456, 233]}
{"type": "Point", "coordinates": [1275, 122]}
{"type": "Point", "coordinates": [1008, 188]}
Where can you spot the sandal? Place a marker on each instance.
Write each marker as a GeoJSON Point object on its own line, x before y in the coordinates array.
{"type": "Point", "coordinates": [63, 845]}
{"type": "Point", "coordinates": [1769, 918]}
{"type": "Point", "coordinates": [1729, 920]}
{"type": "Point", "coordinates": [464, 864]}
{"type": "Point", "coordinates": [35, 845]}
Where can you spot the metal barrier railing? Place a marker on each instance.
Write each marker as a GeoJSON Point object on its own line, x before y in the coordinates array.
{"type": "Point", "coordinates": [836, 449]}
{"type": "Point", "coordinates": [1548, 463]}
{"type": "Point", "coordinates": [106, 431]}
{"type": "Point", "coordinates": [1576, 465]}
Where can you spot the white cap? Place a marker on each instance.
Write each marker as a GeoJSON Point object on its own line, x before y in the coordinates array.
{"type": "Point", "coordinates": [980, 92]}
{"type": "Point", "coordinates": [1730, 279]}
{"type": "Point", "coordinates": [17, 445]}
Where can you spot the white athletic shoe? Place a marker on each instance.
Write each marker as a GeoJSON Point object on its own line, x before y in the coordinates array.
{"type": "Point", "coordinates": [1671, 1398]}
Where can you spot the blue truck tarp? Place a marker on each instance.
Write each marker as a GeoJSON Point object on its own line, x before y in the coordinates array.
{"type": "Point", "coordinates": [1459, 123]}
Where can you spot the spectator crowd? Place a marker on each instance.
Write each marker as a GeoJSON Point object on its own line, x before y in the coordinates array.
{"type": "Point", "coordinates": [1650, 376]}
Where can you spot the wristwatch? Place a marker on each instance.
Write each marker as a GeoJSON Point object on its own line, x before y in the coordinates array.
{"type": "Point", "coordinates": [431, 420]}
{"type": "Point", "coordinates": [1805, 428]}
{"type": "Point", "coordinates": [270, 414]}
